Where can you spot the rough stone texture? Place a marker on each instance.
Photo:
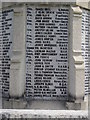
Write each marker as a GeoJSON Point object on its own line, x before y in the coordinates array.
{"type": "Point", "coordinates": [44, 114]}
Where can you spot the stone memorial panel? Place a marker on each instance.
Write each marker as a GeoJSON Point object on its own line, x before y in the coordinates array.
{"type": "Point", "coordinates": [6, 22]}
{"type": "Point", "coordinates": [86, 47]}
{"type": "Point", "coordinates": [47, 53]}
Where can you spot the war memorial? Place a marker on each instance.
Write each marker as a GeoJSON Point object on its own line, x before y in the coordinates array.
{"type": "Point", "coordinates": [45, 55]}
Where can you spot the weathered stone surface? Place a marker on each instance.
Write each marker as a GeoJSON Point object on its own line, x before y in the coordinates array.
{"type": "Point", "coordinates": [44, 114]}
{"type": "Point", "coordinates": [17, 68]}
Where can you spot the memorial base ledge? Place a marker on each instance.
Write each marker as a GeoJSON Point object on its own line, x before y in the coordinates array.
{"type": "Point", "coordinates": [23, 104]}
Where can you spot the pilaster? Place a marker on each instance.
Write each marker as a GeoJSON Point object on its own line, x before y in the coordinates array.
{"type": "Point", "coordinates": [76, 62]}
{"type": "Point", "coordinates": [17, 70]}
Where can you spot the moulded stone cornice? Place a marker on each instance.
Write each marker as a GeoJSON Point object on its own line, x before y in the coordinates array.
{"type": "Point", "coordinates": [16, 58]}
{"type": "Point", "coordinates": [78, 60]}
{"type": "Point", "coordinates": [83, 3]}
{"type": "Point", "coordinates": [76, 10]}
{"type": "Point", "coordinates": [18, 11]}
